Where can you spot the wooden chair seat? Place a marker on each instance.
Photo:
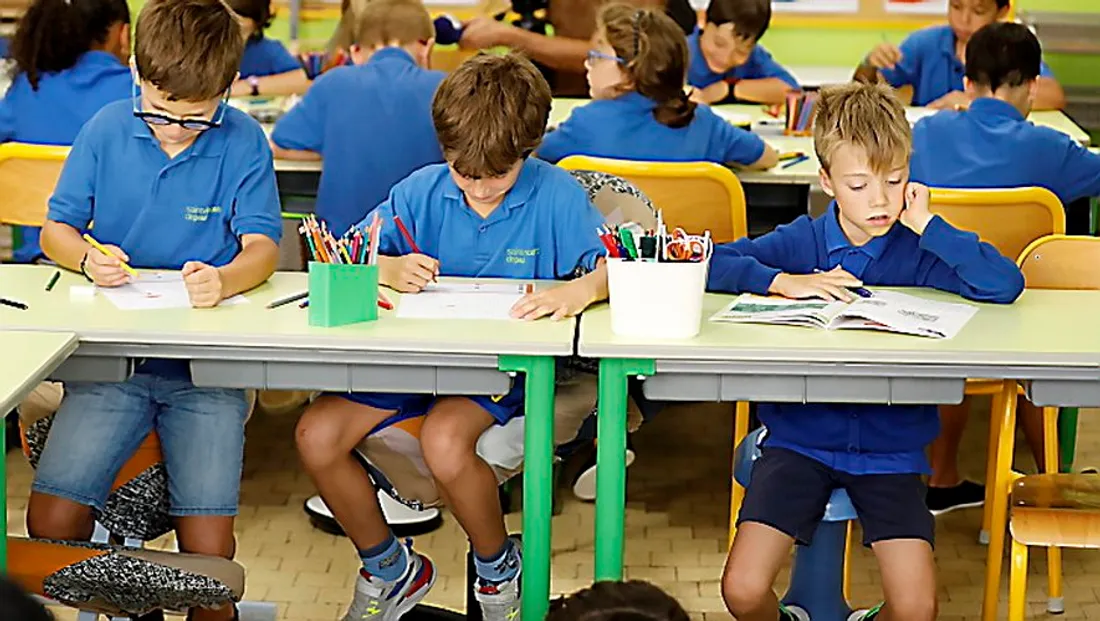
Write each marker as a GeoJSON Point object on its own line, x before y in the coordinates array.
{"type": "Point", "coordinates": [1056, 509]}
{"type": "Point", "coordinates": [113, 580]}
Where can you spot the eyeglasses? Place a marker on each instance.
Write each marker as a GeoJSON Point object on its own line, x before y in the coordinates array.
{"type": "Point", "coordinates": [162, 120]}
{"type": "Point", "coordinates": [594, 55]}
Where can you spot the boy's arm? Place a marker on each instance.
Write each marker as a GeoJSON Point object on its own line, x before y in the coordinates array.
{"type": "Point", "coordinates": [293, 82]}
{"type": "Point", "coordinates": [762, 90]}
{"type": "Point", "coordinates": [70, 206]}
{"type": "Point", "coordinates": [1078, 171]}
{"type": "Point", "coordinates": [1049, 94]}
{"type": "Point", "coordinates": [252, 266]}
{"type": "Point", "coordinates": [299, 134]}
{"type": "Point", "coordinates": [743, 148]}
{"type": "Point", "coordinates": [751, 265]}
{"type": "Point", "coordinates": [964, 264]}
{"type": "Point", "coordinates": [560, 53]}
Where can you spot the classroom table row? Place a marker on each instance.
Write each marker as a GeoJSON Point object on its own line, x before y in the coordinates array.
{"type": "Point", "coordinates": [250, 346]}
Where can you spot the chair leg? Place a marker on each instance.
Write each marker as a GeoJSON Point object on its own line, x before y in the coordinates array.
{"type": "Point", "coordinates": [737, 493]}
{"type": "Point", "coordinates": [1067, 437]}
{"type": "Point", "coordinates": [846, 586]}
{"type": "Point", "coordinates": [990, 468]}
{"type": "Point", "coordinates": [1017, 582]}
{"type": "Point", "coordinates": [1005, 417]}
{"type": "Point", "coordinates": [1056, 603]}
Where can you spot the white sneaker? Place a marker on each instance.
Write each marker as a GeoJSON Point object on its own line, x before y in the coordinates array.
{"type": "Point", "coordinates": [584, 488]}
{"type": "Point", "coordinates": [499, 602]}
{"type": "Point", "coordinates": [377, 600]}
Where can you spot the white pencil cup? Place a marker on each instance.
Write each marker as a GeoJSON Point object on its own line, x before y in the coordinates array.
{"type": "Point", "coordinates": [656, 300]}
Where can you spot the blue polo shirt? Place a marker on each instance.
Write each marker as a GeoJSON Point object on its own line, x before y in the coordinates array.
{"type": "Point", "coordinates": [264, 57]}
{"type": "Point", "coordinates": [372, 125]}
{"type": "Point", "coordinates": [760, 65]}
{"type": "Point", "coordinates": [625, 128]}
{"type": "Point", "coordinates": [929, 64]}
{"type": "Point", "coordinates": [992, 145]}
{"type": "Point", "coordinates": [165, 212]}
{"type": "Point", "coordinates": [864, 438]}
{"type": "Point", "coordinates": [545, 228]}
{"type": "Point", "coordinates": [54, 113]}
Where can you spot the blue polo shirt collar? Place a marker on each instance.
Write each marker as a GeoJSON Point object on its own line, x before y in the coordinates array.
{"type": "Point", "coordinates": [988, 107]}
{"type": "Point", "coordinates": [515, 198]}
{"type": "Point", "coordinates": [836, 240]}
{"type": "Point", "coordinates": [633, 99]}
{"type": "Point", "coordinates": [391, 55]}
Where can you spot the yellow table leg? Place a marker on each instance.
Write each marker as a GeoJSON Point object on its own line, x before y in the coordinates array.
{"type": "Point", "coordinates": [1005, 418]}
{"type": "Point", "coordinates": [1017, 583]}
{"type": "Point", "coordinates": [737, 493]}
{"type": "Point", "coordinates": [990, 467]}
{"type": "Point", "coordinates": [1055, 602]}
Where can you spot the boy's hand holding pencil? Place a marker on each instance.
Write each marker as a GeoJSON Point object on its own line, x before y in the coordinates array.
{"type": "Point", "coordinates": [409, 273]}
{"type": "Point", "coordinates": [107, 265]}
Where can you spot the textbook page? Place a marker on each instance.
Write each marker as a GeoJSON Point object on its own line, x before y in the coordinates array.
{"type": "Point", "coordinates": [462, 301]}
{"type": "Point", "coordinates": [750, 308]}
{"type": "Point", "coordinates": [156, 291]}
{"type": "Point", "coordinates": [898, 312]}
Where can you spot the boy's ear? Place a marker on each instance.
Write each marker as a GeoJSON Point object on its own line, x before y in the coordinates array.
{"type": "Point", "coordinates": [826, 183]}
{"type": "Point", "coordinates": [358, 54]}
{"type": "Point", "coordinates": [425, 55]}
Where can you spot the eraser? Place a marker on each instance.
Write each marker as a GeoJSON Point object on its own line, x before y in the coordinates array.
{"type": "Point", "coordinates": [81, 293]}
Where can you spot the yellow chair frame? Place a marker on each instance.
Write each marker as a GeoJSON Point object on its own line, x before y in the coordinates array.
{"type": "Point", "coordinates": [28, 174]}
{"type": "Point", "coordinates": [656, 180]}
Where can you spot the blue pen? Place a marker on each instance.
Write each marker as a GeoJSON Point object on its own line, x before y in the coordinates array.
{"type": "Point", "coordinates": [860, 291]}
{"type": "Point", "coordinates": [797, 160]}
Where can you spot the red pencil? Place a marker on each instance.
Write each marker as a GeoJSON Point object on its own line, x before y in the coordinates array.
{"type": "Point", "coordinates": [405, 233]}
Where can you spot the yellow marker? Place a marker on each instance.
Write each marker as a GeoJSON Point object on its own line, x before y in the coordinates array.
{"type": "Point", "coordinates": [790, 155]}
{"type": "Point", "coordinates": [98, 246]}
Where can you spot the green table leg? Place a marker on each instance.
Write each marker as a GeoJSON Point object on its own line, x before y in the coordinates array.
{"type": "Point", "coordinates": [538, 486]}
{"type": "Point", "coordinates": [611, 463]}
{"type": "Point", "coordinates": [1067, 438]}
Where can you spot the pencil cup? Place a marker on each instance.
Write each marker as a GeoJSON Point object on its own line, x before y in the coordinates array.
{"type": "Point", "coordinates": [656, 300]}
{"type": "Point", "coordinates": [340, 294]}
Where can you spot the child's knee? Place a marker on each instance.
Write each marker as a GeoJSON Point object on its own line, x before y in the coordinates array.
{"type": "Point", "coordinates": [448, 442]}
{"type": "Point", "coordinates": [744, 591]}
{"type": "Point", "coordinates": [317, 433]}
{"type": "Point", "coordinates": [52, 517]}
{"type": "Point", "coordinates": [913, 606]}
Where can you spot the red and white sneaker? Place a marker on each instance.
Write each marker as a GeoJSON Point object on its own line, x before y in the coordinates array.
{"type": "Point", "coordinates": [377, 600]}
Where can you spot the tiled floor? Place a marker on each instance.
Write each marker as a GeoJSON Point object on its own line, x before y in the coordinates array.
{"type": "Point", "coordinates": [676, 521]}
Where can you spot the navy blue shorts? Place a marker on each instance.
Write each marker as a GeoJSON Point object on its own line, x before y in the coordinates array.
{"type": "Point", "coordinates": [502, 408]}
{"type": "Point", "coordinates": [788, 491]}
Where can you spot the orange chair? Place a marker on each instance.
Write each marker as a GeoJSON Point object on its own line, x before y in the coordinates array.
{"type": "Point", "coordinates": [28, 174]}
{"type": "Point", "coordinates": [1050, 509]}
{"type": "Point", "coordinates": [695, 196]}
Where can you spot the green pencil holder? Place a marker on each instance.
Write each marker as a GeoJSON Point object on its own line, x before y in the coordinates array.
{"type": "Point", "coordinates": [340, 294]}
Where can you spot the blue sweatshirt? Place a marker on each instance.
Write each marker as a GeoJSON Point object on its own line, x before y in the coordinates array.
{"type": "Point", "coordinates": [864, 438]}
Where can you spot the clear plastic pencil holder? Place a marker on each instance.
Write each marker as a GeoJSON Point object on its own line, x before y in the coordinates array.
{"type": "Point", "coordinates": [656, 300]}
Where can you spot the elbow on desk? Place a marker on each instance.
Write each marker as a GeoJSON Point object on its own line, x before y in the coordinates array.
{"type": "Point", "coordinates": [1008, 291]}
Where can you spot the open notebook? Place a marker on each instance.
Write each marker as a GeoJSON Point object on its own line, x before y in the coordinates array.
{"type": "Point", "coordinates": [883, 310]}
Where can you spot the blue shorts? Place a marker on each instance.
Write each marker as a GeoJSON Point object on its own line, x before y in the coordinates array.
{"type": "Point", "coordinates": [502, 408]}
{"type": "Point", "coordinates": [100, 425]}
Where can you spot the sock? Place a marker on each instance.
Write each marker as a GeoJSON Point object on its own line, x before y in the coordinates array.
{"type": "Point", "coordinates": [501, 567]}
{"type": "Point", "coordinates": [385, 561]}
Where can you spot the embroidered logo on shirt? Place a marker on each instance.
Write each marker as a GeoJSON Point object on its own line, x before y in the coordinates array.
{"type": "Point", "coordinates": [519, 255]}
{"type": "Point", "coordinates": [200, 214]}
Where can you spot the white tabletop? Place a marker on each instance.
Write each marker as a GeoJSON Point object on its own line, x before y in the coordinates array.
{"type": "Point", "coordinates": [29, 357]}
{"type": "Point", "coordinates": [253, 326]}
{"type": "Point", "coordinates": [1043, 328]}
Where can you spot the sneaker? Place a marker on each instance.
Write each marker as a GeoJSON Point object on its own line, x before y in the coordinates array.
{"type": "Point", "coordinates": [376, 600]}
{"type": "Point", "coordinates": [867, 614]}
{"type": "Point", "coordinates": [965, 495]}
{"type": "Point", "coordinates": [499, 602]}
{"type": "Point", "coordinates": [584, 486]}
{"type": "Point", "coordinates": [793, 613]}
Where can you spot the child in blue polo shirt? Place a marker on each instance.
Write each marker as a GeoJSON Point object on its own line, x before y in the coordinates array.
{"type": "Point", "coordinates": [69, 62]}
{"type": "Point", "coordinates": [493, 212]}
{"type": "Point", "coordinates": [174, 179]}
{"type": "Point", "coordinates": [384, 100]}
{"type": "Point", "coordinates": [878, 231]}
{"type": "Point", "coordinates": [267, 68]}
{"type": "Point", "coordinates": [639, 109]}
{"type": "Point", "coordinates": [930, 61]}
{"type": "Point", "coordinates": [727, 62]}
{"type": "Point", "coordinates": [992, 145]}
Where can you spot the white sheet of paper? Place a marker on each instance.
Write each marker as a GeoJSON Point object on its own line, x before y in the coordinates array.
{"type": "Point", "coordinates": [462, 301]}
{"type": "Point", "coordinates": [156, 291]}
{"type": "Point", "coordinates": [915, 114]}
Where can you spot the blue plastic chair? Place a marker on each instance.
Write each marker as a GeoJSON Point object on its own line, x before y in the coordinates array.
{"type": "Point", "coordinates": [818, 571]}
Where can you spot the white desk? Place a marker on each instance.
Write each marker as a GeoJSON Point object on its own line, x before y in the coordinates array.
{"type": "Point", "coordinates": [27, 360]}
{"type": "Point", "coordinates": [249, 346]}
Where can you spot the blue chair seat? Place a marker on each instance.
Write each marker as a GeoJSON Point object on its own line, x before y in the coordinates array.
{"type": "Point", "coordinates": [840, 507]}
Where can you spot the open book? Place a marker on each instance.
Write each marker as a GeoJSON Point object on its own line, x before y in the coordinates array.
{"type": "Point", "coordinates": [883, 310]}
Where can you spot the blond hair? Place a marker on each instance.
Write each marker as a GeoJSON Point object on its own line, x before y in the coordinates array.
{"type": "Point", "coordinates": [190, 49]}
{"type": "Point", "coordinates": [490, 113]}
{"type": "Point", "coordinates": [867, 116]}
{"type": "Point", "coordinates": [383, 22]}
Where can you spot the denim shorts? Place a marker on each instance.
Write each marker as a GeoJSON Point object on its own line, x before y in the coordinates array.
{"type": "Point", "coordinates": [100, 425]}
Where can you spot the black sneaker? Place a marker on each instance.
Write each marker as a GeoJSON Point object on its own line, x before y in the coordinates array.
{"type": "Point", "coordinates": [965, 495]}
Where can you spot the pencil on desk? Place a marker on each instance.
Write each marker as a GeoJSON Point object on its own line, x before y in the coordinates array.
{"type": "Point", "coordinates": [53, 280]}
{"type": "Point", "coordinates": [288, 299]}
{"type": "Point", "coordinates": [98, 246]}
